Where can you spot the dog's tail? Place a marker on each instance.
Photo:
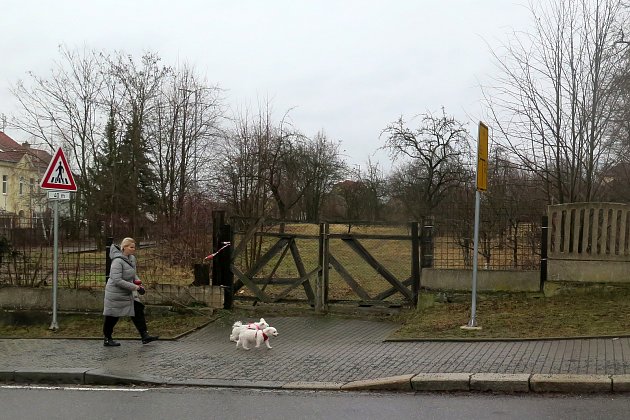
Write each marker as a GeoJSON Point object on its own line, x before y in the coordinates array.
{"type": "Point", "coordinates": [237, 324]}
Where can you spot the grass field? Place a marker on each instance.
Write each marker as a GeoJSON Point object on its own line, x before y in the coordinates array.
{"type": "Point", "coordinates": [583, 311]}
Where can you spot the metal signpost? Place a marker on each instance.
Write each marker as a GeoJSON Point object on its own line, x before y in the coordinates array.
{"type": "Point", "coordinates": [482, 185]}
{"type": "Point", "coordinates": [57, 177]}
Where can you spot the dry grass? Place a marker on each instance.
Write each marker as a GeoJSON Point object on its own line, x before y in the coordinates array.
{"type": "Point", "coordinates": [91, 325]}
{"type": "Point", "coordinates": [586, 311]}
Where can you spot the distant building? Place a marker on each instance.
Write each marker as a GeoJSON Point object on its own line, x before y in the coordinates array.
{"type": "Point", "coordinates": [21, 169]}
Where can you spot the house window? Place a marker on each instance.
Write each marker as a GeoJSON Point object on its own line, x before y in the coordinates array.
{"type": "Point", "coordinates": [21, 185]}
{"type": "Point", "coordinates": [31, 185]}
{"type": "Point", "coordinates": [5, 184]}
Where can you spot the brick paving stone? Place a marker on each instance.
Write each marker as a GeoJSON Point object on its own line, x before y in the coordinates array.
{"type": "Point", "coordinates": [317, 349]}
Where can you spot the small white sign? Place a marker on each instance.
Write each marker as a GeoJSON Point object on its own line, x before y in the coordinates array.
{"type": "Point", "coordinates": [58, 195]}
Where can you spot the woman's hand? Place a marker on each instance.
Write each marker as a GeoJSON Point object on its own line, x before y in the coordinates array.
{"type": "Point", "coordinates": [139, 288]}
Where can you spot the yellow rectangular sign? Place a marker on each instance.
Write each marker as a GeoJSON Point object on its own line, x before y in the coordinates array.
{"type": "Point", "coordinates": [482, 158]}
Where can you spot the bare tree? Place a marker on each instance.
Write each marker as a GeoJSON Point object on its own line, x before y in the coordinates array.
{"type": "Point", "coordinates": [323, 167]}
{"type": "Point", "coordinates": [181, 136]}
{"type": "Point", "coordinates": [552, 104]}
{"type": "Point", "coordinates": [62, 109]}
{"type": "Point", "coordinates": [373, 191]}
{"type": "Point", "coordinates": [617, 181]}
{"type": "Point", "coordinates": [239, 177]}
{"type": "Point", "coordinates": [285, 156]}
{"type": "Point", "coordinates": [437, 152]}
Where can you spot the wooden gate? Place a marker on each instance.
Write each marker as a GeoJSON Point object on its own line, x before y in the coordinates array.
{"type": "Point", "coordinates": [275, 276]}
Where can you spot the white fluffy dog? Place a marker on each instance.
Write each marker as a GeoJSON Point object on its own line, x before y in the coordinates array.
{"type": "Point", "coordinates": [249, 337]}
{"type": "Point", "coordinates": [239, 326]}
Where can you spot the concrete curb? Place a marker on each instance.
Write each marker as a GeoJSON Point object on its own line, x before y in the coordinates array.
{"type": "Point", "coordinates": [392, 383]}
{"type": "Point", "coordinates": [423, 382]}
{"type": "Point", "coordinates": [620, 383]}
{"type": "Point", "coordinates": [571, 383]}
{"type": "Point", "coordinates": [441, 382]}
{"type": "Point", "coordinates": [500, 382]}
{"type": "Point", "coordinates": [49, 376]}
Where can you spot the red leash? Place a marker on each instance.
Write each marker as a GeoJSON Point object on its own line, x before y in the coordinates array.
{"type": "Point", "coordinates": [211, 256]}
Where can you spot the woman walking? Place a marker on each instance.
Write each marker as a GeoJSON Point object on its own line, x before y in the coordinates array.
{"type": "Point", "coordinates": [121, 293]}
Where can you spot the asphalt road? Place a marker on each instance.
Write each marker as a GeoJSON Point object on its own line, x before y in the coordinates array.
{"type": "Point", "coordinates": [19, 402]}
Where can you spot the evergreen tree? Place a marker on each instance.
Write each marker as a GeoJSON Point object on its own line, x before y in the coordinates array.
{"type": "Point", "coordinates": [107, 179]}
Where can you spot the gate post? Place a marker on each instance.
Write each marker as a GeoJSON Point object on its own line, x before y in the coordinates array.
{"type": "Point", "coordinates": [321, 289]}
{"type": "Point", "coordinates": [544, 232]}
{"type": "Point", "coordinates": [221, 271]}
{"type": "Point", "coordinates": [218, 219]}
{"type": "Point", "coordinates": [415, 263]}
{"type": "Point", "coordinates": [224, 261]}
{"type": "Point", "coordinates": [326, 265]}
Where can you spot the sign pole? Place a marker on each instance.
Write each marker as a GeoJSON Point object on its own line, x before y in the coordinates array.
{"type": "Point", "coordinates": [472, 323]}
{"type": "Point", "coordinates": [58, 176]}
{"type": "Point", "coordinates": [54, 326]}
{"type": "Point", "coordinates": [482, 185]}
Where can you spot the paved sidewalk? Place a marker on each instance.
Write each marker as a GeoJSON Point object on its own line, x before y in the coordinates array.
{"type": "Point", "coordinates": [327, 353]}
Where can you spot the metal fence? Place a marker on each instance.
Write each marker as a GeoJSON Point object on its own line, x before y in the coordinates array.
{"type": "Point", "coordinates": [510, 230]}
{"type": "Point", "coordinates": [26, 253]}
{"type": "Point", "coordinates": [508, 240]}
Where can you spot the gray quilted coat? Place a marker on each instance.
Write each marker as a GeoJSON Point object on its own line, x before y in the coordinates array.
{"type": "Point", "coordinates": [119, 290]}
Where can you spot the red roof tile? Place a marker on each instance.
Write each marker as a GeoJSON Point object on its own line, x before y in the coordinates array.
{"type": "Point", "coordinates": [12, 151]}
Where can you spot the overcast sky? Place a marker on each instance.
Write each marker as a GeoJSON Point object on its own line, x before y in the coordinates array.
{"type": "Point", "coordinates": [345, 67]}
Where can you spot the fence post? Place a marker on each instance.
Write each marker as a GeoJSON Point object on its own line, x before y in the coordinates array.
{"type": "Point", "coordinates": [427, 245]}
{"type": "Point", "coordinates": [108, 261]}
{"type": "Point", "coordinates": [544, 232]}
{"type": "Point", "coordinates": [415, 262]}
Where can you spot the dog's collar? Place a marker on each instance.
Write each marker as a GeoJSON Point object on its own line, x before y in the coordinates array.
{"type": "Point", "coordinates": [253, 326]}
{"type": "Point", "coordinates": [265, 336]}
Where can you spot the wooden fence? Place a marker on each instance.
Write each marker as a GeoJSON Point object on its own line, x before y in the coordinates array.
{"type": "Point", "coordinates": [589, 242]}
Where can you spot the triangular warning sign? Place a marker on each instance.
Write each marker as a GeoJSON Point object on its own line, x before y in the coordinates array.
{"type": "Point", "coordinates": [58, 175]}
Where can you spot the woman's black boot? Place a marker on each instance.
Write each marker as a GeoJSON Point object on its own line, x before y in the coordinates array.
{"type": "Point", "coordinates": [146, 338]}
{"type": "Point", "coordinates": [109, 342]}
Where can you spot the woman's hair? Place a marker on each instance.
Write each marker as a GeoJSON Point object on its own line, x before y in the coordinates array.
{"type": "Point", "coordinates": [126, 242]}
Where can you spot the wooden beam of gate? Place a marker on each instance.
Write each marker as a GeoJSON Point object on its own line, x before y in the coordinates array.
{"type": "Point", "coordinates": [262, 261]}
{"type": "Point", "coordinates": [363, 253]}
{"type": "Point", "coordinates": [294, 285]}
{"type": "Point", "coordinates": [248, 236]}
{"type": "Point", "coordinates": [308, 289]}
{"type": "Point", "coordinates": [348, 278]}
{"type": "Point", "coordinates": [250, 284]}
{"type": "Point", "coordinates": [275, 268]}
{"type": "Point", "coordinates": [389, 292]}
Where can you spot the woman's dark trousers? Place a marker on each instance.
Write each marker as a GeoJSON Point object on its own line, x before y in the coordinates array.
{"type": "Point", "coordinates": [138, 320]}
